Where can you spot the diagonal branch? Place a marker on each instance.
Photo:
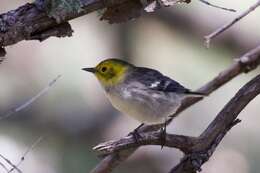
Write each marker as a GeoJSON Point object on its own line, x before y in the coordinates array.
{"type": "Point", "coordinates": [34, 144]}
{"type": "Point", "coordinates": [223, 28]}
{"type": "Point", "coordinates": [245, 63]}
{"type": "Point", "coordinates": [216, 6]}
{"type": "Point", "coordinates": [218, 128]}
{"type": "Point", "coordinates": [10, 163]}
{"type": "Point", "coordinates": [31, 100]}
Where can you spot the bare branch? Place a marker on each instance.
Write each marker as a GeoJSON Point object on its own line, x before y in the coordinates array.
{"type": "Point", "coordinates": [32, 100]}
{"type": "Point", "coordinates": [223, 28]}
{"type": "Point", "coordinates": [34, 144]}
{"type": "Point", "coordinates": [216, 6]}
{"type": "Point", "coordinates": [10, 163]}
{"type": "Point", "coordinates": [16, 166]}
{"type": "Point", "coordinates": [184, 143]}
{"type": "Point", "coordinates": [217, 129]}
{"type": "Point", "coordinates": [245, 63]}
{"type": "Point", "coordinates": [31, 21]}
{"type": "Point", "coordinates": [4, 167]}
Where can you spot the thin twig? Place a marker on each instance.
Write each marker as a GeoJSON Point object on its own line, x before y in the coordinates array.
{"type": "Point", "coordinates": [223, 28]}
{"type": "Point", "coordinates": [10, 163]}
{"type": "Point", "coordinates": [4, 167]}
{"type": "Point", "coordinates": [30, 101]}
{"type": "Point", "coordinates": [34, 144]}
{"type": "Point", "coordinates": [216, 6]}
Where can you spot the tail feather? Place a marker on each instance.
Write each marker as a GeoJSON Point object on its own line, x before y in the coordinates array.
{"type": "Point", "coordinates": [199, 94]}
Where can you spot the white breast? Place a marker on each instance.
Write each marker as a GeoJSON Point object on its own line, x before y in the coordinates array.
{"type": "Point", "coordinates": [147, 107]}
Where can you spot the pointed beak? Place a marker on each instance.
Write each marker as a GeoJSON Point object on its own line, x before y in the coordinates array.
{"type": "Point", "coordinates": [92, 70]}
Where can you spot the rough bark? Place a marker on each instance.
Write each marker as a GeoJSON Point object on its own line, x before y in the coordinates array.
{"type": "Point", "coordinates": [33, 22]}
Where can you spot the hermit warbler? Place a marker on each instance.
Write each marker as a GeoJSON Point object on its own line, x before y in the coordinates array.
{"type": "Point", "coordinates": [142, 93]}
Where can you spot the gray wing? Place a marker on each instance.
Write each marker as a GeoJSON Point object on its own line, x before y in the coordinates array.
{"type": "Point", "coordinates": [154, 80]}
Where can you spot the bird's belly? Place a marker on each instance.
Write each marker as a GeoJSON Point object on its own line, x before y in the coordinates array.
{"type": "Point", "coordinates": [145, 110]}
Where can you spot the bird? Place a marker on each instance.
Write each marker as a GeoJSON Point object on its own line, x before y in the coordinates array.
{"type": "Point", "coordinates": [143, 93]}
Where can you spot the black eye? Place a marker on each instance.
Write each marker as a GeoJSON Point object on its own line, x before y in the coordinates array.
{"type": "Point", "coordinates": [104, 69]}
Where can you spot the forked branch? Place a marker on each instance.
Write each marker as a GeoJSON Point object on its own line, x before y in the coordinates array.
{"type": "Point", "coordinates": [218, 128]}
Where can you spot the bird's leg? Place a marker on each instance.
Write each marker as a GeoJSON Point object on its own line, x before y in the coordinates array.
{"type": "Point", "coordinates": [135, 133]}
{"type": "Point", "coordinates": [163, 134]}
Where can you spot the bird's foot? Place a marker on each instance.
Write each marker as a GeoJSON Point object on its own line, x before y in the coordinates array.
{"type": "Point", "coordinates": [163, 135]}
{"type": "Point", "coordinates": [135, 133]}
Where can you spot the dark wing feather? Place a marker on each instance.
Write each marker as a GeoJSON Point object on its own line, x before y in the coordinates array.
{"type": "Point", "coordinates": [154, 80]}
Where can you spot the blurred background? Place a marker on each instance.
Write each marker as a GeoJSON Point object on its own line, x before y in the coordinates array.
{"type": "Point", "coordinates": [74, 115]}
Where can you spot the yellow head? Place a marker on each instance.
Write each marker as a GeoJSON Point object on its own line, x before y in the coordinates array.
{"type": "Point", "coordinates": [110, 72]}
